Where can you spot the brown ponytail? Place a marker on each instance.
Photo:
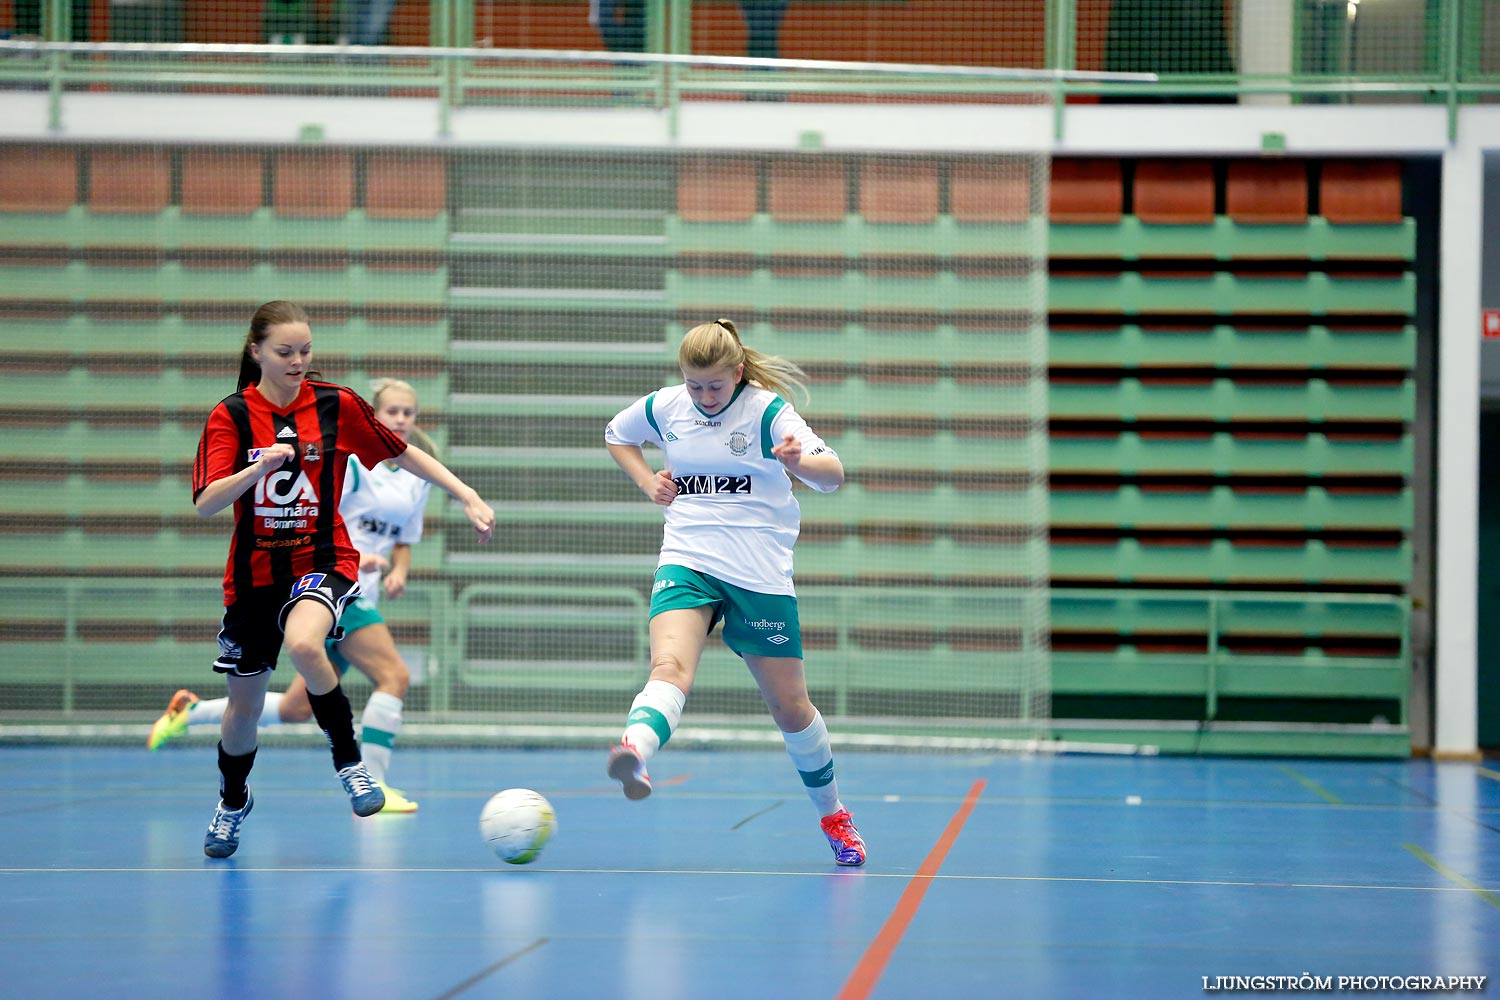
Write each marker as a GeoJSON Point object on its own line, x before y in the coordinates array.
{"type": "Point", "coordinates": [268, 315]}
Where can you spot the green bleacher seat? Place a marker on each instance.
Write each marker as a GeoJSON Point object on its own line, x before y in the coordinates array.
{"type": "Point", "coordinates": [943, 560]}
{"type": "Point", "coordinates": [105, 552]}
{"type": "Point", "coordinates": [1223, 561]}
{"type": "Point", "coordinates": [166, 445]}
{"type": "Point", "coordinates": [1315, 508]}
{"type": "Point", "coordinates": [1225, 240]}
{"type": "Point", "coordinates": [75, 495]}
{"type": "Point", "coordinates": [471, 404]}
{"type": "Point", "coordinates": [1226, 398]}
{"type": "Point", "coordinates": [169, 282]}
{"type": "Point", "coordinates": [870, 343]}
{"type": "Point", "coordinates": [854, 237]}
{"type": "Point", "coordinates": [1305, 347]}
{"type": "Point", "coordinates": [938, 398]}
{"type": "Point", "coordinates": [260, 231]}
{"type": "Point", "coordinates": [77, 390]}
{"type": "Point", "coordinates": [922, 453]}
{"type": "Point", "coordinates": [941, 293]}
{"type": "Point", "coordinates": [106, 548]}
{"type": "Point", "coordinates": [1224, 294]}
{"type": "Point", "coordinates": [173, 337]}
{"type": "Point", "coordinates": [1224, 453]}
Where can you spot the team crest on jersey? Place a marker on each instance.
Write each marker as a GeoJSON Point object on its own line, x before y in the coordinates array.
{"type": "Point", "coordinates": [738, 443]}
{"type": "Point", "coordinates": [312, 454]}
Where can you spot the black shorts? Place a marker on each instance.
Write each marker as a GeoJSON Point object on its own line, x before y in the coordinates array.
{"type": "Point", "coordinates": [251, 634]}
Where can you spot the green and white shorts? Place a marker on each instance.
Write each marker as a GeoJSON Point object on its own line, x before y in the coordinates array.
{"type": "Point", "coordinates": [357, 614]}
{"type": "Point", "coordinates": [754, 624]}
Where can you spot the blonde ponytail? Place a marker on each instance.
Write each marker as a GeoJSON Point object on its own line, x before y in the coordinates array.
{"type": "Point", "coordinates": [718, 345]}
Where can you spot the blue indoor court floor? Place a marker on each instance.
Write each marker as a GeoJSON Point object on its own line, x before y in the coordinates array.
{"type": "Point", "coordinates": [1043, 876]}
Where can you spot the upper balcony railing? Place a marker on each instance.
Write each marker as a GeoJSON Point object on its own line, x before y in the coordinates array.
{"type": "Point", "coordinates": [658, 52]}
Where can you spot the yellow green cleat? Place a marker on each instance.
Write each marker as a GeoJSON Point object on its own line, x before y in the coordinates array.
{"type": "Point", "coordinates": [174, 721]}
{"type": "Point", "coordinates": [396, 800]}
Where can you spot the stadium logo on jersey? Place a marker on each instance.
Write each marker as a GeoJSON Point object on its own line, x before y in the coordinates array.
{"type": "Point", "coordinates": [738, 443]}
{"type": "Point", "coordinates": [287, 433]}
{"type": "Point", "coordinates": [312, 454]}
{"type": "Point", "coordinates": [688, 486]}
{"type": "Point", "coordinates": [707, 423]}
{"type": "Point", "coordinates": [283, 500]}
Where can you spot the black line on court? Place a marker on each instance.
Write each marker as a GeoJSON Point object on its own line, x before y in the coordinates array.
{"type": "Point", "coordinates": [774, 805]}
{"type": "Point", "coordinates": [533, 946]}
{"type": "Point", "coordinates": [1434, 803]}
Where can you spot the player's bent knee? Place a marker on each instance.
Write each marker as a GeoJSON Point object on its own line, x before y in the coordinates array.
{"type": "Point", "coordinates": [305, 650]}
{"type": "Point", "coordinates": [670, 668]}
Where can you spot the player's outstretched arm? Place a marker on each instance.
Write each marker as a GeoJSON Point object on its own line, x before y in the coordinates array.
{"type": "Point", "coordinates": [420, 464]}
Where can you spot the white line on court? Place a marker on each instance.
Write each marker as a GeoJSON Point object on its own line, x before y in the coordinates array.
{"type": "Point", "coordinates": [214, 869]}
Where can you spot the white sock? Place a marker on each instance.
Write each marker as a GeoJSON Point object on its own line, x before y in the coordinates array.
{"type": "Point", "coordinates": [813, 756]}
{"type": "Point", "coordinates": [654, 716]}
{"type": "Point", "coordinates": [378, 728]}
{"type": "Point", "coordinates": [211, 711]}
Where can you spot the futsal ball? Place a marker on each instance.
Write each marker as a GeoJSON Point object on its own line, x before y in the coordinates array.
{"type": "Point", "coordinates": [517, 823]}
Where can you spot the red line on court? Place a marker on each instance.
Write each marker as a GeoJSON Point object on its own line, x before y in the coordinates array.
{"type": "Point", "coordinates": [862, 980]}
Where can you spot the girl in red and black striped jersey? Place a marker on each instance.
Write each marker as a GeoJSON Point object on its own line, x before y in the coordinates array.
{"type": "Point", "coordinates": [277, 450]}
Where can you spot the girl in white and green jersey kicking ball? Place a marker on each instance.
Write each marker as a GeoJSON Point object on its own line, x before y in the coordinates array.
{"type": "Point", "coordinates": [731, 442]}
{"type": "Point", "coordinates": [382, 510]}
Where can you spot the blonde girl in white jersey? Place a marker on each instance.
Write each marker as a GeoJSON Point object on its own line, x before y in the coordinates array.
{"type": "Point", "coordinates": [382, 510]}
{"type": "Point", "coordinates": [732, 442]}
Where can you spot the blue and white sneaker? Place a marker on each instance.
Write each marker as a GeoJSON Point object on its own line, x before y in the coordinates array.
{"type": "Point", "coordinates": [848, 846]}
{"type": "Point", "coordinates": [365, 793]}
{"type": "Point", "coordinates": [223, 836]}
{"type": "Point", "coordinates": [628, 768]}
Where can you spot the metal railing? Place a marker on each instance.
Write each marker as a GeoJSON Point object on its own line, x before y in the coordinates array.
{"type": "Point", "coordinates": [1316, 58]}
{"type": "Point", "coordinates": [65, 634]}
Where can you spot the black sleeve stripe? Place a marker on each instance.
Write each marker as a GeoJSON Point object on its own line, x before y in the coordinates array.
{"type": "Point", "coordinates": [383, 432]}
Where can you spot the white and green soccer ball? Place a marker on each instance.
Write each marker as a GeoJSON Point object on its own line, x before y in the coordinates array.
{"type": "Point", "coordinates": [517, 823]}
